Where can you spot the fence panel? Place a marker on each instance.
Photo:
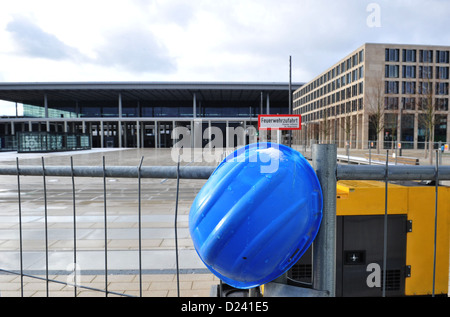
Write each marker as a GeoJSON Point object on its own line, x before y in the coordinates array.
{"type": "Point", "coordinates": [138, 173]}
{"type": "Point", "coordinates": [51, 197]}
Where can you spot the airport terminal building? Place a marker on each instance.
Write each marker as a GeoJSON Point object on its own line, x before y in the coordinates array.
{"type": "Point", "coordinates": [134, 114]}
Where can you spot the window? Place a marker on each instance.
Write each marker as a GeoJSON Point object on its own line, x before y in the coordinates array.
{"type": "Point", "coordinates": [409, 103]}
{"type": "Point", "coordinates": [425, 88]}
{"type": "Point", "coordinates": [407, 129]}
{"type": "Point", "coordinates": [442, 104]}
{"type": "Point", "coordinates": [390, 128]}
{"type": "Point", "coordinates": [392, 55]}
{"type": "Point", "coordinates": [408, 87]}
{"type": "Point", "coordinates": [390, 103]}
{"type": "Point", "coordinates": [409, 71]}
{"type": "Point", "coordinates": [391, 71]}
{"type": "Point", "coordinates": [425, 72]}
{"type": "Point", "coordinates": [409, 55]}
{"type": "Point", "coordinates": [441, 72]}
{"type": "Point", "coordinates": [442, 57]}
{"type": "Point", "coordinates": [440, 128]}
{"type": "Point", "coordinates": [355, 75]}
{"type": "Point", "coordinates": [354, 90]}
{"type": "Point", "coordinates": [354, 60]}
{"type": "Point", "coordinates": [423, 103]}
{"type": "Point", "coordinates": [391, 87]}
{"type": "Point", "coordinates": [441, 88]}
{"type": "Point", "coordinates": [361, 56]}
{"type": "Point", "coordinates": [426, 56]}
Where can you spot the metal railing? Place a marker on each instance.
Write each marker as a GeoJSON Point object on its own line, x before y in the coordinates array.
{"type": "Point", "coordinates": [103, 172]}
{"type": "Point", "coordinates": [323, 161]}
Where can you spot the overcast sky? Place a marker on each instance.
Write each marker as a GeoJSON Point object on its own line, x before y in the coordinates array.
{"type": "Point", "coordinates": [202, 40]}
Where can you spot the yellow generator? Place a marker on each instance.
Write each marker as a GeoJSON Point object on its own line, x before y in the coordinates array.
{"type": "Point", "coordinates": [410, 240]}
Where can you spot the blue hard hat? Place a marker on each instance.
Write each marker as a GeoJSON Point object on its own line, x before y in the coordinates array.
{"type": "Point", "coordinates": [256, 215]}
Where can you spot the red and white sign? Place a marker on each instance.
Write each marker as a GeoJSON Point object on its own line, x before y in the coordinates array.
{"type": "Point", "coordinates": [279, 122]}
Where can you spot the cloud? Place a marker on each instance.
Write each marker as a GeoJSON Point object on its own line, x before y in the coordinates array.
{"type": "Point", "coordinates": [133, 49]}
{"type": "Point", "coordinates": [256, 38]}
{"type": "Point", "coordinates": [32, 41]}
{"type": "Point", "coordinates": [178, 12]}
{"type": "Point", "coordinates": [136, 50]}
{"type": "Point", "coordinates": [243, 40]}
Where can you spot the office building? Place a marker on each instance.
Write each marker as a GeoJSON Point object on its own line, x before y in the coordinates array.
{"type": "Point", "coordinates": [389, 93]}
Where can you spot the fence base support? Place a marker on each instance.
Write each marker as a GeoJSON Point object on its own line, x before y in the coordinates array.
{"type": "Point", "coordinates": [282, 290]}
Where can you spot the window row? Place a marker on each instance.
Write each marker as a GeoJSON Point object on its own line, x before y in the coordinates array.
{"type": "Point", "coordinates": [409, 87]}
{"type": "Point", "coordinates": [341, 109]}
{"type": "Point", "coordinates": [339, 96]}
{"type": "Point", "coordinates": [392, 103]}
{"type": "Point", "coordinates": [393, 71]}
{"type": "Point", "coordinates": [332, 86]}
{"type": "Point", "coordinates": [335, 72]}
{"type": "Point", "coordinates": [410, 55]}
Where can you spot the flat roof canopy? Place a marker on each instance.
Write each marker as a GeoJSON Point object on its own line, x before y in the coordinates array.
{"type": "Point", "coordinates": [34, 93]}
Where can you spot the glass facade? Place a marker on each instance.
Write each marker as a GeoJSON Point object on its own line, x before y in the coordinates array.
{"type": "Point", "coordinates": [138, 115]}
{"type": "Point", "coordinates": [39, 112]}
{"type": "Point", "coordinates": [8, 143]}
{"type": "Point", "coordinates": [159, 109]}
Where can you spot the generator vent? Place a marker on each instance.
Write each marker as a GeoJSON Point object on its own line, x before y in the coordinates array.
{"type": "Point", "coordinates": [393, 280]}
{"type": "Point", "coordinates": [300, 272]}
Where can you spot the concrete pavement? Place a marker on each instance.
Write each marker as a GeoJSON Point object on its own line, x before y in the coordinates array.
{"type": "Point", "coordinates": [157, 228]}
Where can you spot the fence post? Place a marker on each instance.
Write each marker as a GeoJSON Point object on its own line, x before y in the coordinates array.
{"type": "Point", "coordinates": [324, 247]}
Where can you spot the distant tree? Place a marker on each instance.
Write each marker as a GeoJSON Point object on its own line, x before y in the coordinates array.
{"type": "Point", "coordinates": [346, 124]}
{"type": "Point", "coordinates": [325, 125]}
{"type": "Point", "coordinates": [428, 118]}
{"type": "Point", "coordinates": [375, 107]}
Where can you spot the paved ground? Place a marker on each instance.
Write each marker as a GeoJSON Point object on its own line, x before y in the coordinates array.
{"type": "Point", "coordinates": [158, 244]}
